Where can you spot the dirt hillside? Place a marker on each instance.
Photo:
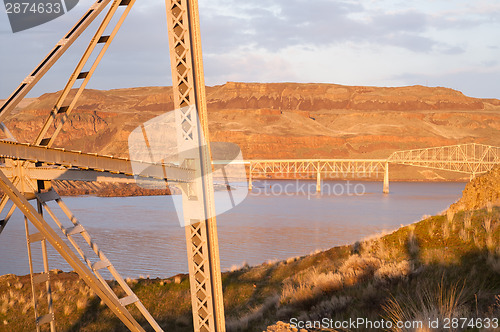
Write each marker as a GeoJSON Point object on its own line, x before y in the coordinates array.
{"type": "Point", "coordinates": [282, 120]}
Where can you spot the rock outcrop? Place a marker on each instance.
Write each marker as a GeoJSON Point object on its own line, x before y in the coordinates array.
{"type": "Point", "coordinates": [483, 191]}
{"type": "Point", "coordinates": [282, 120]}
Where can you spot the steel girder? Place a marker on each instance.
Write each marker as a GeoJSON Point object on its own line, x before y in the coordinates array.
{"type": "Point", "coordinates": [189, 91]}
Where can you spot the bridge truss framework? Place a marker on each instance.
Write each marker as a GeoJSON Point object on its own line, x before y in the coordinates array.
{"type": "Point", "coordinates": [471, 158]}
{"type": "Point", "coordinates": [29, 168]}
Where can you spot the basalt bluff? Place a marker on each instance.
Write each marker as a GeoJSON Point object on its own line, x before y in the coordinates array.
{"type": "Point", "coordinates": [282, 120]}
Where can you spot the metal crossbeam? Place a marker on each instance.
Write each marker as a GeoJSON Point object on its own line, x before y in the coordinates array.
{"type": "Point", "coordinates": [328, 167]}
{"type": "Point", "coordinates": [65, 174]}
{"type": "Point", "coordinates": [29, 82]}
{"type": "Point", "coordinates": [78, 159]}
{"type": "Point", "coordinates": [471, 158]}
{"type": "Point", "coordinates": [62, 248]}
{"type": "Point", "coordinates": [189, 92]}
{"type": "Point", "coordinates": [77, 229]}
{"type": "Point", "coordinates": [201, 235]}
{"type": "Point", "coordinates": [62, 108]}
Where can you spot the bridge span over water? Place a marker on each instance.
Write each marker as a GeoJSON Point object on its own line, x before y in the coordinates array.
{"type": "Point", "coordinates": [470, 158]}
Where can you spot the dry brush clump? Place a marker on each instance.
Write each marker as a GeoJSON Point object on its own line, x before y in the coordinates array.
{"type": "Point", "coordinates": [493, 260]}
{"type": "Point", "coordinates": [424, 303]}
{"type": "Point", "coordinates": [356, 268]}
{"type": "Point", "coordinates": [327, 308]}
{"type": "Point", "coordinates": [256, 313]}
{"type": "Point", "coordinates": [393, 270]}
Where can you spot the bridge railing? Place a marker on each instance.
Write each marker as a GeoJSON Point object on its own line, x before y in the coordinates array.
{"type": "Point", "coordinates": [471, 158]}
{"type": "Point", "coordinates": [331, 168]}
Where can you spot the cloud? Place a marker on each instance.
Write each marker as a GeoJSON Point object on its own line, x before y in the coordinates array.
{"type": "Point", "coordinates": [406, 21]}
{"type": "Point", "coordinates": [322, 23]}
{"type": "Point", "coordinates": [276, 40]}
{"type": "Point", "coordinates": [249, 67]}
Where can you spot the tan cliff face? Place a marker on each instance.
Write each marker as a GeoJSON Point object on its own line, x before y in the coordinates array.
{"type": "Point", "coordinates": [483, 191]}
{"type": "Point", "coordinates": [281, 120]}
{"type": "Point", "coordinates": [316, 97]}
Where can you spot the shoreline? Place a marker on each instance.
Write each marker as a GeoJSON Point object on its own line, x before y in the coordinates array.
{"type": "Point", "coordinates": [134, 191]}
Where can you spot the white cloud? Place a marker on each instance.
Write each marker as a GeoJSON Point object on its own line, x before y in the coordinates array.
{"type": "Point", "coordinates": [377, 42]}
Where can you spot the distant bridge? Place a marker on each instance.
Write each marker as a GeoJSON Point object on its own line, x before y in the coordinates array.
{"type": "Point", "coordinates": [468, 158]}
{"type": "Point", "coordinates": [471, 158]}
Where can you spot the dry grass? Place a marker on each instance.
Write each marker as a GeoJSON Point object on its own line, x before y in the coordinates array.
{"type": "Point", "coordinates": [311, 283]}
{"type": "Point", "coordinates": [477, 240]}
{"type": "Point", "coordinates": [494, 260]}
{"type": "Point", "coordinates": [26, 307]}
{"type": "Point", "coordinates": [468, 220]}
{"type": "Point", "coordinates": [446, 230]}
{"type": "Point", "coordinates": [4, 308]}
{"type": "Point", "coordinates": [432, 229]}
{"type": "Point", "coordinates": [413, 247]}
{"type": "Point", "coordinates": [81, 303]}
{"type": "Point", "coordinates": [292, 259]}
{"type": "Point", "coordinates": [67, 310]}
{"type": "Point", "coordinates": [464, 235]}
{"type": "Point", "coordinates": [423, 304]}
{"type": "Point", "coordinates": [253, 314]}
{"type": "Point", "coordinates": [131, 282]}
{"type": "Point", "coordinates": [490, 242]}
{"type": "Point", "coordinates": [296, 293]}
{"type": "Point", "coordinates": [59, 286]}
{"type": "Point", "coordinates": [487, 224]}
{"type": "Point", "coordinates": [21, 299]}
{"type": "Point", "coordinates": [328, 307]}
{"type": "Point", "coordinates": [84, 291]}
{"type": "Point", "coordinates": [326, 282]}
{"type": "Point", "coordinates": [393, 270]}
{"type": "Point", "coordinates": [358, 266]}
{"type": "Point", "coordinates": [242, 266]}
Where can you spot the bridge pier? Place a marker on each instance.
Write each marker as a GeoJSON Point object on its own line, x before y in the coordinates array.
{"type": "Point", "coordinates": [250, 178]}
{"type": "Point", "coordinates": [318, 182]}
{"type": "Point", "coordinates": [386, 178]}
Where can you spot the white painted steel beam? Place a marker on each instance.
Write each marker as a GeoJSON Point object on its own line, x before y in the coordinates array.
{"type": "Point", "coordinates": [30, 81]}
{"type": "Point", "coordinates": [189, 93]}
{"type": "Point", "coordinates": [68, 158]}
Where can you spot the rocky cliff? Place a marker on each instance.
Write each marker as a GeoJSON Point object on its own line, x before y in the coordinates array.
{"type": "Point", "coordinates": [282, 120]}
{"type": "Point", "coordinates": [483, 191]}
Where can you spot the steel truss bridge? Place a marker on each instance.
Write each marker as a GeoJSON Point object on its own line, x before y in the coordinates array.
{"type": "Point", "coordinates": [471, 158]}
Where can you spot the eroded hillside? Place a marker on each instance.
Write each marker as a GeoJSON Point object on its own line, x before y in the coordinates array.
{"type": "Point", "coordinates": [282, 120]}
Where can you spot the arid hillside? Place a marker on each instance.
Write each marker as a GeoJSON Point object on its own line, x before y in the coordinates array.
{"type": "Point", "coordinates": [282, 120]}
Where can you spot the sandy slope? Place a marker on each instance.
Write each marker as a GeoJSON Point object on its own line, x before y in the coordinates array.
{"type": "Point", "coordinates": [283, 120]}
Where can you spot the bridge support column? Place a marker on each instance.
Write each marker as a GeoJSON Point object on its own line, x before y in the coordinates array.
{"type": "Point", "coordinates": [318, 182]}
{"type": "Point", "coordinates": [386, 178]}
{"type": "Point", "coordinates": [250, 178]}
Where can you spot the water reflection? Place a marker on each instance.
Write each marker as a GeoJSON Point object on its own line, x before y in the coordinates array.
{"type": "Point", "coordinates": [141, 235]}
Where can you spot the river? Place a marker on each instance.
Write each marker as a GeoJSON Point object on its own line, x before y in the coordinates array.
{"type": "Point", "coordinates": [141, 236]}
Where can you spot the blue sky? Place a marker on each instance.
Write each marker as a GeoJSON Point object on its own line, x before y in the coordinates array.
{"type": "Point", "coordinates": [450, 43]}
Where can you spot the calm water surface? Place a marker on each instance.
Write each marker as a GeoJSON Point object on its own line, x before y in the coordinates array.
{"type": "Point", "coordinates": [277, 220]}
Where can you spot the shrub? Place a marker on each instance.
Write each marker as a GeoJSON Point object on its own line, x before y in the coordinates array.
{"type": "Point", "coordinates": [393, 271]}
{"type": "Point", "coordinates": [424, 304]}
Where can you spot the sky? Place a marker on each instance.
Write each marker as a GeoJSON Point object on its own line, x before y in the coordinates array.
{"type": "Point", "coordinates": [450, 43]}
